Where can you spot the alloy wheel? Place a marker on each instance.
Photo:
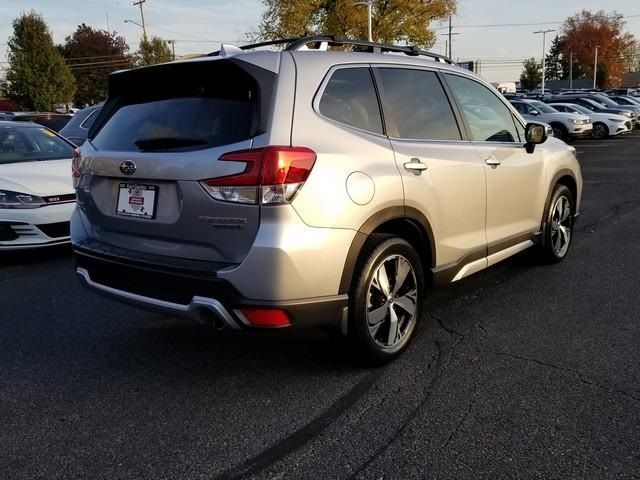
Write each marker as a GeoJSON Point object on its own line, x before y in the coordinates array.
{"type": "Point", "coordinates": [392, 302]}
{"type": "Point", "coordinates": [599, 131]}
{"type": "Point", "coordinates": [561, 226]}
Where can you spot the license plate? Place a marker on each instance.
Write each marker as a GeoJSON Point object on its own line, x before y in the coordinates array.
{"type": "Point", "coordinates": [135, 200]}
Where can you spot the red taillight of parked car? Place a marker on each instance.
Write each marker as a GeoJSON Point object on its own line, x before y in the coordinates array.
{"type": "Point", "coordinates": [75, 167]}
{"type": "Point", "coordinates": [271, 176]}
{"type": "Point", "coordinates": [263, 317]}
{"type": "Point", "coordinates": [75, 163]}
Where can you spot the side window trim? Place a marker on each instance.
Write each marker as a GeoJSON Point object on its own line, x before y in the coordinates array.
{"type": "Point", "coordinates": [387, 117]}
{"type": "Point", "coordinates": [323, 86]}
{"type": "Point", "coordinates": [91, 115]}
{"type": "Point", "coordinates": [509, 107]}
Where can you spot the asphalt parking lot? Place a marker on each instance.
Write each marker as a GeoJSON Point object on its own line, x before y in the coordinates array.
{"type": "Point", "coordinates": [521, 371]}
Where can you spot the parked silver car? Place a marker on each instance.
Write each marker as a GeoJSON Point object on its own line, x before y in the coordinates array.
{"type": "Point", "coordinates": [312, 187]}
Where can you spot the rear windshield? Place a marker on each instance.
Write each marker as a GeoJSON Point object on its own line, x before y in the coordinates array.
{"type": "Point", "coordinates": [54, 123]}
{"type": "Point", "coordinates": [180, 107]}
{"type": "Point", "coordinates": [27, 144]}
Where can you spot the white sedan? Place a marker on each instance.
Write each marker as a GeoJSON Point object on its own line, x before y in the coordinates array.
{"type": "Point", "coordinates": [36, 188]}
{"type": "Point", "coordinates": [604, 124]}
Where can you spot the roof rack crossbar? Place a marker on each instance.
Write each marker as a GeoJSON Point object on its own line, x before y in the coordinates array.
{"type": "Point", "coordinates": [294, 44]}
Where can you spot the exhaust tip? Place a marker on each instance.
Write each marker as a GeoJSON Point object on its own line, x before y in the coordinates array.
{"type": "Point", "coordinates": [208, 317]}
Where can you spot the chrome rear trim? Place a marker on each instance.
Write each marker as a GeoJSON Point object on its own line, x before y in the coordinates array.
{"type": "Point", "coordinates": [191, 310]}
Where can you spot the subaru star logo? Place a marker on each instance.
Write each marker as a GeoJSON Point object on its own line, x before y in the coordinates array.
{"type": "Point", "coordinates": [128, 167]}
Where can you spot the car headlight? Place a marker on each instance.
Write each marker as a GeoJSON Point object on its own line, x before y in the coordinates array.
{"type": "Point", "coordinates": [615, 120]}
{"type": "Point", "coordinates": [576, 122]}
{"type": "Point", "coordinates": [20, 200]}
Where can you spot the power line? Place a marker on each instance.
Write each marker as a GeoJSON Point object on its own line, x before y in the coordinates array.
{"type": "Point", "coordinates": [534, 24]}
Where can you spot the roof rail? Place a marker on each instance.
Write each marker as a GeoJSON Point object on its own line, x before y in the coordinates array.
{"type": "Point", "coordinates": [295, 44]}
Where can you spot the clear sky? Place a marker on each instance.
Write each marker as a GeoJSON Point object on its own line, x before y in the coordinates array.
{"type": "Point", "coordinates": [198, 25]}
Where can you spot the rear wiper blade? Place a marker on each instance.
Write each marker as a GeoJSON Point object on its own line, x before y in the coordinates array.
{"type": "Point", "coordinates": [167, 143]}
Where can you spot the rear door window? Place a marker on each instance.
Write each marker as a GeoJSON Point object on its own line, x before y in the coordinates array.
{"type": "Point", "coordinates": [181, 107]}
{"type": "Point", "coordinates": [350, 98]}
{"type": "Point", "coordinates": [418, 105]}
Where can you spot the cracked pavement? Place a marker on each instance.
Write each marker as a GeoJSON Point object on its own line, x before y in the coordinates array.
{"type": "Point", "coordinates": [521, 371]}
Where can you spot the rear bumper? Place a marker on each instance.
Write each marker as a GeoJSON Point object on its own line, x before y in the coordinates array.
{"type": "Point", "coordinates": [193, 293]}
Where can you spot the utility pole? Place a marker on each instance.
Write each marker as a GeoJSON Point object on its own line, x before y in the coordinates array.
{"type": "Point", "coordinates": [544, 48]}
{"type": "Point", "coordinates": [139, 3]}
{"type": "Point", "coordinates": [595, 68]}
{"type": "Point", "coordinates": [570, 69]}
{"type": "Point", "coordinates": [106, 13]}
{"type": "Point", "coordinates": [173, 47]}
{"type": "Point", "coordinates": [449, 42]}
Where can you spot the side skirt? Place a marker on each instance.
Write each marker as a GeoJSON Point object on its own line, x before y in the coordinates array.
{"type": "Point", "coordinates": [481, 259]}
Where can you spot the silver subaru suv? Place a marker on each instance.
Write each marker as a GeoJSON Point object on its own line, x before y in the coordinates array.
{"type": "Point", "coordinates": [326, 182]}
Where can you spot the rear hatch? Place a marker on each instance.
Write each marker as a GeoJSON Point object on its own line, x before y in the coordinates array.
{"type": "Point", "coordinates": [158, 136]}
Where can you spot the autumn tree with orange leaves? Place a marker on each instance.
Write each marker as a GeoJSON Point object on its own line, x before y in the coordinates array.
{"type": "Point", "coordinates": [584, 31]}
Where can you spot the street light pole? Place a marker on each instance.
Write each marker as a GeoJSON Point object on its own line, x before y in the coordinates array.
{"type": "Point", "coordinates": [570, 69]}
{"type": "Point", "coordinates": [595, 68]}
{"type": "Point", "coordinates": [369, 4]}
{"type": "Point", "coordinates": [544, 47]}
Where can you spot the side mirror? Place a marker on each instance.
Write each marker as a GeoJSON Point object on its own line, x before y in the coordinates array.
{"type": "Point", "coordinates": [535, 133]}
{"type": "Point", "coordinates": [534, 112]}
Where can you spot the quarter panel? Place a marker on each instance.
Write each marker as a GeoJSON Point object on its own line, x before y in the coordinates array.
{"type": "Point", "coordinates": [330, 198]}
{"type": "Point", "coordinates": [290, 260]}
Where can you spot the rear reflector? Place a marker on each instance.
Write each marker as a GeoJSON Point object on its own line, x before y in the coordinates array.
{"type": "Point", "coordinates": [262, 317]}
{"type": "Point", "coordinates": [271, 176]}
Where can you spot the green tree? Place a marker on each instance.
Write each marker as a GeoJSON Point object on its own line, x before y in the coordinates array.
{"type": "Point", "coordinates": [392, 20]}
{"type": "Point", "coordinates": [153, 51]}
{"type": "Point", "coordinates": [38, 77]}
{"type": "Point", "coordinates": [554, 61]}
{"type": "Point", "coordinates": [92, 55]}
{"type": "Point", "coordinates": [531, 75]}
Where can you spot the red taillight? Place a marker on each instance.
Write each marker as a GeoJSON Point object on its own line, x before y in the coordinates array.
{"type": "Point", "coordinates": [272, 175]}
{"type": "Point", "coordinates": [75, 163]}
{"type": "Point", "coordinates": [262, 317]}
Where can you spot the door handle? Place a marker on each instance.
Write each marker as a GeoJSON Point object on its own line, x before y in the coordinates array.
{"type": "Point", "coordinates": [415, 166]}
{"type": "Point", "coordinates": [492, 161]}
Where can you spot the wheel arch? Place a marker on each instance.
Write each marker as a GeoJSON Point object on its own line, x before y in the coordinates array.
{"type": "Point", "coordinates": [405, 222]}
{"type": "Point", "coordinates": [562, 177]}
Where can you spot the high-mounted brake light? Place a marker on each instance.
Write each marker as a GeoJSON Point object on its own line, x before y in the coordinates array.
{"type": "Point", "coordinates": [272, 175]}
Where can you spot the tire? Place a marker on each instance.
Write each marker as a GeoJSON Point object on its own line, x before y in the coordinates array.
{"type": "Point", "coordinates": [558, 225]}
{"type": "Point", "coordinates": [560, 131]}
{"type": "Point", "coordinates": [600, 131]}
{"type": "Point", "coordinates": [378, 303]}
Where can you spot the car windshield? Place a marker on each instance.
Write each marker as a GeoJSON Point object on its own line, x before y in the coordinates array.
{"type": "Point", "coordinates": [28, 144]}
{"type": "Point", "coordinates": [581, 109]}
{"type": "Point", "coordinates": [631, 101]}
{"type": "Point", "coordinates": [607, 102]}
{"type": "Point", "coordinates": [594, 104]}
{"type": "Point", "coordinates": [543, 107]}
